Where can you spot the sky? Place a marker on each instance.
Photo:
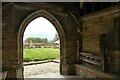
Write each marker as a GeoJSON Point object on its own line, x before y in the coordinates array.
{"type": "Point", "coordinates": [40, 27]}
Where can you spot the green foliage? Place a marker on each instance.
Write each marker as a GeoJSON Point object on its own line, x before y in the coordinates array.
{"type": "Point", "coordinates": [44, 40]}
{"type": "Point", "coordinates": [36, 40]}
{"type": "Point", "coordinates": [37, 54]}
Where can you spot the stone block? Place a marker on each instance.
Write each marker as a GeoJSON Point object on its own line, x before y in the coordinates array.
{"type": "Point", "coordinates": [13, 54]}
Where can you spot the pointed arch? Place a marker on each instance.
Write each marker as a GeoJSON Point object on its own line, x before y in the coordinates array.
{"type": "Point", "coordinates": [54, 21]}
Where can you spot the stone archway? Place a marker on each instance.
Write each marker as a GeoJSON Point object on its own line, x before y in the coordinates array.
{"type": "Point", "coordinates": [54, 21]}
{"type": "Point", "coordinates": [14, 26]}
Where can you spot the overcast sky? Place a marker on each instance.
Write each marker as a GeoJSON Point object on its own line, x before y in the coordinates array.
{"type": "Point", "coordinates": [40, 27]}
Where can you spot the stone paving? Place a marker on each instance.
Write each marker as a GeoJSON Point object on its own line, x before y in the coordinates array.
{"type": "Point", "coordinates": [41, 69]}
{"type": "Point", "coordinates": [45, 70]}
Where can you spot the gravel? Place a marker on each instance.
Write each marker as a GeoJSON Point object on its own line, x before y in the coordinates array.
{"type": "Point", "coordinates": [41, 69]}
{"type": "Point", "coordinates": [45, 70]}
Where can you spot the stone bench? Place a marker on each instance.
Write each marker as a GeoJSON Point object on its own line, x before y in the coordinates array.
{"type": "Point", "coordinates": [89, 58]}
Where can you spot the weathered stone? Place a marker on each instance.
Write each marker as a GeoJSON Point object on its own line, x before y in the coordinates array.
{"type": "Point", "coordinates": [73, 24]}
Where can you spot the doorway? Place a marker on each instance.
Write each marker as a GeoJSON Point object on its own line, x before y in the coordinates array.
{"type": "Point", "coordinates": [41, 45]}
{"type": "Point", "coordinates": [54, 21]}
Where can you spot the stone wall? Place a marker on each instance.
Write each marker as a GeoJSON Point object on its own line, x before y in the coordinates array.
{"type": "Point", "coordinates": [96, 24]}
{"type": "Point", "coordinates": [15, 14]}
{"type": "Point", "coordinates": [89, 31]}
{"type": "Point", "coordinates": [104, 22]}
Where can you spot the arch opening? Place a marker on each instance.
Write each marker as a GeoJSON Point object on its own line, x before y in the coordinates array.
{"type": "Point", "coordinates": [40, 49]}
{"type": "Point", "coordinates": [54, 21]}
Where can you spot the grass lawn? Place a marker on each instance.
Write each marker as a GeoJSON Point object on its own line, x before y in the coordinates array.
{"type": "Point", "coordinates": [37, 54]}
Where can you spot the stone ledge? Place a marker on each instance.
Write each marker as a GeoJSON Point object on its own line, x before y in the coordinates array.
{"type": "Point", "coordinates": [3, 75]}
{"type": "Point", "coordinates": [39, 62]}
{"type": "Point", "coordinates": [90, 73]}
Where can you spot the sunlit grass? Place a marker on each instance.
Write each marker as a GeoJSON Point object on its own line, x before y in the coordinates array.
{"type": "Point", "coordinates": [37, 54]}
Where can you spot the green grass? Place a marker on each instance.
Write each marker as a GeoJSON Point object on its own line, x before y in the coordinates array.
{"type": "Point", "coordinates": [37, 54]}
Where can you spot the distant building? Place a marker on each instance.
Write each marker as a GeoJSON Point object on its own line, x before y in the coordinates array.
{"type": "Point", "coordinates": [57, 44]}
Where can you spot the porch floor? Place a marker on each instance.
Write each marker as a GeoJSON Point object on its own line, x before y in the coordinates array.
{"type": "Point", "coordinates": [45, 70]}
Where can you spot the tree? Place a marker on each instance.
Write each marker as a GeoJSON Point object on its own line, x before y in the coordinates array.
{"type": "Point", "coordinates": [44, 40]}
{"type": "Point", "coordinates": [28, 40]}
{"type": "Point", "coordinates": [36, 40]}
